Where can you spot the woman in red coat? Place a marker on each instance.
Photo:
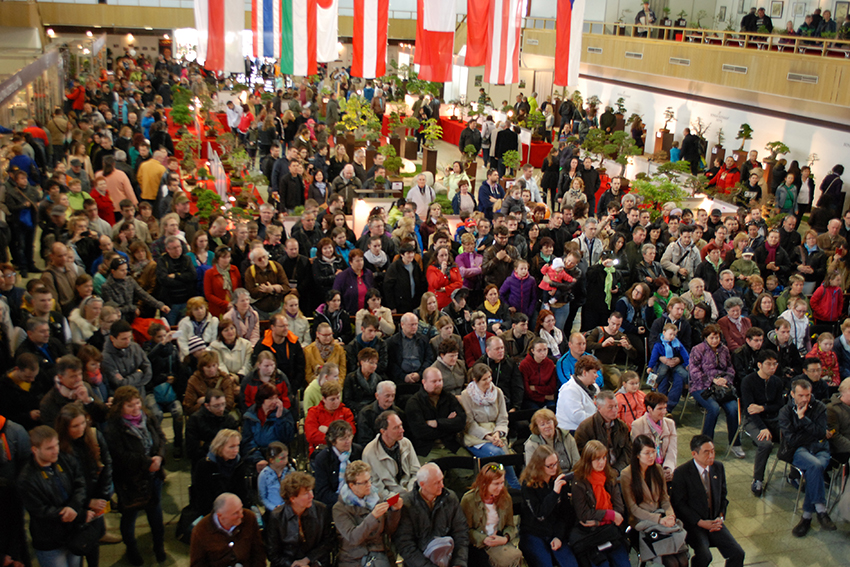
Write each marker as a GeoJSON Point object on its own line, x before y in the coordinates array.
{"type": "Point", "coordinates": [219, 282]}
{"type": "Point", "coordinates": [321, 416]}
{"type": "Point", "coordinates": [443, 277]}
{"type": "Point", "coordinates": [728, 176]}
{"type": "Point", "coordinates": [539, 377]}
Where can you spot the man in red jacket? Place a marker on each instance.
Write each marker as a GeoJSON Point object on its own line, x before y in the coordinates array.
{"type": "Point", "coordinates": [77, 95]}
{"type": "Point", "coordinates": [728, 176]}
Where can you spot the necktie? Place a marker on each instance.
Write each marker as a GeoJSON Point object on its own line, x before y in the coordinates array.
{"type": "Point", "coordinates": [706, 483]}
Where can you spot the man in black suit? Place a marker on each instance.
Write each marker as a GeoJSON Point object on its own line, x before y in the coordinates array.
{"type": "Point", "coordinates": [699, 500]}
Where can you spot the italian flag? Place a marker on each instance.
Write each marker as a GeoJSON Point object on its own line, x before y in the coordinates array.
{"type": "Point", "coordinates": [308, 34]}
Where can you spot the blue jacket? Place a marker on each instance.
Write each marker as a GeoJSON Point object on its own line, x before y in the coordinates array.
{"type": "Point", "coordinates": [566, 367]}
{"type": "Point", "coordinates": [456, 202]}
{"type": "Point", "coordinates": [658, 351]}
{"type": "Point", "coordinates": [520, 294]}
{"type": "Point", "coordinates": [256, 437]}
{"type": "Point", "coordinates": [268, 485]}
{"type": "Point", "coordinates": [484, 194]}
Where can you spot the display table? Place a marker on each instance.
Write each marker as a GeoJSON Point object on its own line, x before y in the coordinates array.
{"type": "Point", "coordinates": [451, 130]}
{"type": "Point", "coordinates": [535, 153]}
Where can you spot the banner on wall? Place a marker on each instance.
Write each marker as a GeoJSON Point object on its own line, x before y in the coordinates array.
{"type": "Point", "coordinates": [369, 42]}
{"type": "Point", "coordinates": [568, 32]}
{"type": "Point", "coordinates": [493, 38]}
{"type": "Point", "coordinates": [435, 35]}
{"type": "Point", "coordinates": [219, 24]}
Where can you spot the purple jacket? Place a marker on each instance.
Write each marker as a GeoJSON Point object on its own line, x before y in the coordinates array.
{"type": "Point", "coordinates": [520, 294]}
{"type": "Point", "coordinates": [469, 264]}
{"type": "Point", "coordinates": [346, 283]}
{"type": "Point", "coordinates": [706, 366]}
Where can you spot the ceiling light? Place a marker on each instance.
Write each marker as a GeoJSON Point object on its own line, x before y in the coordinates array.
{"type": "Point", "coordinates": [50, 32]}
{"type": "Point", "coordinates": [89, 33]}
{"type": "Point", "coordinates": [165, 36]}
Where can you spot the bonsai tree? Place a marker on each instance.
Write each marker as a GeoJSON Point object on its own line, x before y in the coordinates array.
{"type": "Point", "coordinates": [669, 116]}
{"type": "Point", "coordinates": [411, 123]}
{"type": "Point", "coordinates": [775, 149]}
{"type": "Point", "coordinates": [392, 163]}
{"type": "Point", "coordinates": [394, 122]}
{"type": "Point", "coordinates": [720, 137]}
{"type": "Point", "coordinates": [535, 120]}
{"type": "Point", "coordinates": [432, 132]}
{"type": "Point", "coordinates": [744, 133]}
{"type": "Point", "coordinates": [227, 141]}
{"type": "Point", "coordinates": [700, 128]}
{"type": "Point", "coordinates": [469, 153]}
{"type": "Point", "coordinates": [188, 145]}
{"type": "Point", "coordinates": [621, 106]}
{"type": "Point", "coordinates": [620, 146]}
{"type": "Point", "coordinates": [512, 160]}
{"type": "Point", "coordinates": [666, 10]}
{"type": "Point", "coordinates": [654, 191]}
{"type": "Point", "coordinates": [181, 113]}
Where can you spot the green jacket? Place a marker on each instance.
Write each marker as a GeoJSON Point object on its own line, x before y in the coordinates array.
{"type": "Point", "coordinates": [476, 517]}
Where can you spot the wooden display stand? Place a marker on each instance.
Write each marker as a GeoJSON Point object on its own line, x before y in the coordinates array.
{"type": "Point", "coordinates": [371, 152]}
{"type": "Point", "coordinates": [663, 141]}
{"type": "Point", "coordinates": [621, 123]}
{"type": "Point", "coordinates": [395, 142]}
{"type": "Point", "coordinates": [717, 152]}
{"type": "Point", "coordinates": [429, 160]}
{"type": "Point", "coordinates": [740, 157]}
{"type": "Point", "coordinates": [409, 150]}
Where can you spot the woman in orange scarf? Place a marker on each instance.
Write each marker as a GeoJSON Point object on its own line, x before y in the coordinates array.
{"type": "Point", "coordinates": [597, 501]}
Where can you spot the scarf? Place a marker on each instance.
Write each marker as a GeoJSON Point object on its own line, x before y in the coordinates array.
{"type": "Point", "coordinates": [395, 454]}
{"type": "Point", "coordinates": [657, 430]}
{"type": "Point", "coordinates": [95, 378]}
{"type": "Point", "coordinates": [736, 322]}
{"type": "Point", "coordinates": [546, 259]}
{"type": "Point", "coordinates": [670, 348]}
{"type": "Point", "coordinates": [609, 284]}
{"type": "Point", "coordinates": [321, 186]}
{"type": "Point", "coordinates": [552, 340]}
{"type": "Point", "coordinates": [811, 249]}
{"type": "Point", "coordinates": [771, 252]}
{"type": "Point", "coordinates": [344, 459]}
{"type": "Point", "coordinates": [228, 283]}
{"type": "Point", "coordinates": [64, 391]}
{"type": "Point", "coordinates": [378, 260]}
{"type": "Point", "coordinates": [480, 398]}
{"type": "Point", "coordinates": [492, 307]}
{"type": "Point", "coordinates": [138, 426]}
{"type": "Point", "coordinates": [350, 499]}
{"type": "Point", "coordinates": [597, 481]}
{"type": "Point", "coordinates": [325, 351]}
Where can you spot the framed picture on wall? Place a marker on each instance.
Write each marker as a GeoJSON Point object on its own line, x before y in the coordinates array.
{"type": "Point", "coordinates": [478, 80]}
{"type": "Point", "coordinates": [841, 10]}
{"type": "Point", "coordinates": [776, 7]}
{"type": "Point", "coordinates": [799, 9]}
{"type": "Point", "coordinates": [721, 15]}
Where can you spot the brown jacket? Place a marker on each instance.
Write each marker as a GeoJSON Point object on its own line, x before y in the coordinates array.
{"type": "Point", "coordinates": [198, 386]}
{"type": "Point", "coordinates": [61, 286]}
{"type": "Point", "coordinates": [211, 547]}
{"type": "Point", "coordinates": [273, 274]}
{"type": "Point", "coordinates": [620, 445]}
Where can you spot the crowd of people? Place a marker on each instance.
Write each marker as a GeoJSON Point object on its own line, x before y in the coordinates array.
{"type": "Point", "coordinates": [524, 330]}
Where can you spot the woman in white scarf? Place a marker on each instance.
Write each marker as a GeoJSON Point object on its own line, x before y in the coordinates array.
{"type": "Point", "coordinates": [549, 332]}
{"type": "Point", "coordinates": [796, 314]}
{"type": "Point", "coordinates": [486, 430]}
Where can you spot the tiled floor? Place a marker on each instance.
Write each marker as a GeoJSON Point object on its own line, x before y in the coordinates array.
{"type": "Point", "coordinates": [761, 525]}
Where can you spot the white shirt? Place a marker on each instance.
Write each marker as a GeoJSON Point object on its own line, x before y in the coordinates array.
{"type": "Point", "coordinates": [574, 405]}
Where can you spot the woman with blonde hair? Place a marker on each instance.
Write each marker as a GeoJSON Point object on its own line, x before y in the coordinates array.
{"type": "Point", "coordinates": [575, 194]}
{"type": "Point", "coordinates": [489, 512]}
{"type": "Point", "coordinates": [85, 319]}
{"type": "Point", "coordinates": [546, 516]}
{"type": "Point", "coordinates": [428, 313]}
{"type": "Point", "coordinates": [221, 470]}
{"type": "Point", "coordinates": [298, 323]}
{"type": "Point", "coordinates": [338, 161]}
{"type": "Point", "coordinates": [198, 322]}
{"type": "Point", "coordinates": [597, 501]}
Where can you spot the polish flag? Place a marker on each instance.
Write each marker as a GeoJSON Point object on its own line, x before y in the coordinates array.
{"type": "Point", "coordinates": [435, 34]}
{"type": "Point", "coordinates": [568, 33]}
{"type": "Point", "coordinates": [265, 25]}
{"type": "Point", "coordinates": [219, 24]}
{"type": "Point", "coordinates": [370, 38]}
{"type": "Point", "coordinates": [503, 41]}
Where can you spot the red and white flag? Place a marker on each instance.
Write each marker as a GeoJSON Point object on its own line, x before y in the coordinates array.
{"type": "Point", "coordinates": [493, 38]}
{"type": "Point", "coordinates": [370, 38]}
{"type": "Point", "coordinates": [568, 32]}
{"type": "Point", "coordinates": [435, 36]}
{"type": "Point", "coordinates": [219, 24]}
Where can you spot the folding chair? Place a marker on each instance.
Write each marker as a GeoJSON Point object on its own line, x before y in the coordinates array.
{"type": "Point", "coordinates": [737, 433]}
{"type": "Point", "coordinates": [832, 475]}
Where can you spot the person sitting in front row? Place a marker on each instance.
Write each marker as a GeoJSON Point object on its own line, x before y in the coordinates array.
{"type": "Point", "coordinates": [338, 453]}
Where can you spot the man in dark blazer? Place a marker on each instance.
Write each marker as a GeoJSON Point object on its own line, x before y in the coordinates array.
{"type": "Point", "coordinates": [702, 511]}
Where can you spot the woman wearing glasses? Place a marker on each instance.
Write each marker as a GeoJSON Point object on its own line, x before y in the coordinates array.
{"type": "Point", "coordinates": [362, 519]}
{"type": "Point", "coordinates": [547, 515]}
{"type": "Point", "coordinates": [489, 512]}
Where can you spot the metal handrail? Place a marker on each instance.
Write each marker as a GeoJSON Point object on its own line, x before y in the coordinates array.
{"type": "Point", "coordinates": [772, 42]}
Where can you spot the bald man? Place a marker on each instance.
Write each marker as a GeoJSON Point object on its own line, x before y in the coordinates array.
{"type": "Point", "coordinates": [227, 536]}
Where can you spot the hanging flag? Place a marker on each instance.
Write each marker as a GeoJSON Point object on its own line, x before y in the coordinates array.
{"type": "Point", "coordinates": [370, 38]}
{"type": "Point", "coordinates": [435, 35]}
{"type": "Point", "coordinates": [265, 25]}
{"type": "Point", "coordinates": [477, 26]}
{"type": "Point", "coordinates": [327, 18]}
{"type": "Point", "coordinates": [568, 32]}
{"type": "Point", "coordinates": [503, 33]}
{"type": "Point", "coordinates": [298, 37]}
{"type": "Point", "coordinates": [219, 24]}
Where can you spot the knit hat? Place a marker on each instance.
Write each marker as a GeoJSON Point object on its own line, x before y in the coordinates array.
{"type": "Point", "coordinates": [196, 343]}
{"type": "Point", "coordinates": [557, 264]}
{"type": "Point", "coordinates": [748, 251]}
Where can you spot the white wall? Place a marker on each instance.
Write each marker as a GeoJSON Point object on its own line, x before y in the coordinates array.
{"type": "Point", "coordinates": [831, 146]}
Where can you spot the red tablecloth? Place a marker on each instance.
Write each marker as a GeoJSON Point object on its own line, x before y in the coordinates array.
{"type": "Point", "coordinates": [452, 130]}
{"type": "Point", "coordinates": [536, 153]}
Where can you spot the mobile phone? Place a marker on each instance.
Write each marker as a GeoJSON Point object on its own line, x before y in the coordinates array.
{"type": "Point", "coordinates": [393, 499]}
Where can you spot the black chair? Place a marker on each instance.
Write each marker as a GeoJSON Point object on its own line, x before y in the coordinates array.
{"type": "Point", "coordinates": [518, 424]}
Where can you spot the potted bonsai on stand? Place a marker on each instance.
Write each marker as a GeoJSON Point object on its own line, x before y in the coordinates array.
{"type": "Point", "coordinates": [744, 133]}
{"type": "Point", "coordinates": [411, 124]}
{"type": "Point", "coordinates": [512, 160]}
{"type": "Point", "coordinates": [664, 137]}
{"type": "Point", "coordinates": [620, 114]}
{"type": "Point", "coordinates": [717, 152]}
{"type": "Point", "coordinates": [432, 132]}
{"type": "Point", "coordinates": [469, 162]}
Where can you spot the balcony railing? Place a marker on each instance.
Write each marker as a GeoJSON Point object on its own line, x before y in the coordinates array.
{"type": "Point", "coordinates": [814, 46]}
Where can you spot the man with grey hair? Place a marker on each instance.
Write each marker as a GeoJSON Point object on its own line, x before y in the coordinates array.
{"type": "Point", "coordinates": [591, 247]}
{"type": "Point", "coordinates": [267, 283]}
{"type": "Point", "coordinates": [346, 185]}
{"type": "Point", "coordinates": [435, 418]}
{"type": "Point", "coordinates": [727, 290]}
{"type": "Point", "coordinates": [384, 401]}
{"type": "Point", "coordinates": [176, 279]}
{"type": "Point", "coordinates": [431, 509]}
{"type": "Point", "coordinates": [229, 535]}
{"type": "Point", "coordinates": [681, 258]}
{"type": "Point", "coordinates": [421, 195]}
{"type": "Point", "coordinates": [605, 427]}
{"type": "Point", "coordinates": [359, 164]}
{"type": "Point", "coordinates": [408, 355]}
{"type": "Point", "coordinates": [391, 456]}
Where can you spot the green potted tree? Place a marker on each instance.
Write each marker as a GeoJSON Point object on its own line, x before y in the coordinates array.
{"type": "Point", "coordinates": [181, 113]}
{"type": "Point", "coordinates": [776, 149]}
{"type": "Point", "coordinates": [392, 163]}
{"type": "Point", "coordinates": [620, 114]}
{"type": "Point", "coordinates": [535, 121]}
{"type": "Point", "coordinates": [396, 130]}
{"type": "Point", "coordinates": [717, 152]}
{"type": "Point", "coordinates": [664, 137]}
{"type": "Point", "coordinates": [469, 162]}
{"type": "Point", "coordinates": [512, 160]}
{"type": "Point", "coordinates": [432, 132]}
{"type": "Point", "coordinates": [745, 132]}
{"type": "Point", "coordinates": [411, 124]}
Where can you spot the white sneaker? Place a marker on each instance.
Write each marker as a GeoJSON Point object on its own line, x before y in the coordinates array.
{"type": "Point", "coordinates": [738, 452]}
